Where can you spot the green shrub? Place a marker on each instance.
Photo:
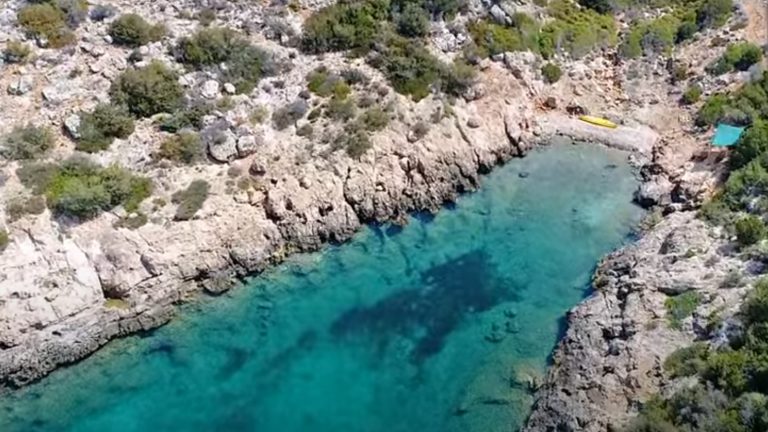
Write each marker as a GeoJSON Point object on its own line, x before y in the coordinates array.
{"type": "Point", "coordinates": [356, 142]}
{"type": "Point", "coordinates": [18, 207]}
{"type": "Point", "coordinates": [343, 26]}
{"type": "Point", "coordinates": [134, 31]}
{"type": "Point", "coordinates": [551, 72]}
{"type": "Point", "coordinates": [755, 308]}
{"type": "Point", "coordinates": [492, 38]}
{"type": "Point", "coordinates": [5, 239]}
{"type": "Point", "coordinates": [413, 21]}
{"type": "Point", "coordinates": [687, 361]}
{"type": "Point", "coordinates": [191, 199]}
{"type": "Point", "coordinates": [245, 63]}
{"type": "Point", "coordinates": [341, 109]}
{"type": "Point", "coordinates": [185, 147]}
{"type": "Point", "coordinates": [681, 307]}
{"type": "Point", "coordinates": [36, 176]}
{"type": "Point", "coordinates": [374, 119]}
{"type": "Point", "coordinates": [46, 21]}
{"type": "Point", "coordinates": [27, 142]}
{"type": "Point", "coordinates": [749, 230]}
{"type": "Point", "coordinates": [101, 126]}
{"type": "Point", "coordinates": [686, 31]}
{"type": "Point", "coordinates": [575, 31]}
{"type": "Point", "coordinates": [83, 189]}
{"type": "Point", "coordinates": [651, 37]}
{"type": "Point", "coordinates": [16, 52]}
{"type": "Point", "coordinates": [410, 68]}
{"type": "Point", "coordinates": [752, 143]}
{"type": "Point", "coordinates": [325, 84]}
{"type": "Point", "coordinates": [189, 117]}
{"type": "Point", "coordinates": [148, 91]}
{"type": "Point", "coordinates": [713, 13]}
{"type": "Point", "coordinates": [712, 110]}
{"type": "Point", "coordinates": [691, 94]}
{"type": "Point", "coordinates": [738, 56]}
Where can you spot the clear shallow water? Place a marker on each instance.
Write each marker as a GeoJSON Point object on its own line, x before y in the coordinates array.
{"type": "Point", "coordinates": [433, 327]}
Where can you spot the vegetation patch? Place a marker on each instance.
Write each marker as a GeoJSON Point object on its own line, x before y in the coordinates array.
{"type": "Point", "coordinates": [16, 52]}
{"type": "Point", "coordinates": [190, 117]}
{"type": "Point", "coordinates": [211, 47]}
{"type": "Point", "coordinates": [83, 189]}
{"type": "Point", "coordinates": [184, 147]}
{"type": "Point", "coordinates": [691, 95]}
{"type": "Point", "coordinates": [729, 391]}
{"type": "Point", "coordinates": [147, 91]}
{"type": "Point", "coordinates": [48, 22]}
{"type": "Point", "coordinates": [133, 31]}
{"type": "Point", "coordinates": [191, 199]}
{"type": "Point", "coordinates": [681, 307]}
{"type": "Point", "coordinates": [492, 38]}
{"type": "Point", "coordinates": [18, 207]}
{"type": "Point", "coordinates": [739, 56]}
{"type": "Point", "coordinates": [551, 73]}
{"type": "Point", "coordinates": [102, 125]}
{"type": "Point", "coordinates": [27, 142]}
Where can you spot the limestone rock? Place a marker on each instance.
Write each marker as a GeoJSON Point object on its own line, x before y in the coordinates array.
{"type": "Point", "coordinates": [20, 86]}
{"type": "Point", "coordinates": [72, 125]}
{"type": "Point", "coordinates": [210, 89]}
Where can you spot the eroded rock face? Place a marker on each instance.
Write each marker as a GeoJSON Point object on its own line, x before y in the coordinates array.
{"type": "Point", "coordinates": [610, 360]}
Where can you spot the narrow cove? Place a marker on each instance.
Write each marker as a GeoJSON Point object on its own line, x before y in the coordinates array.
{"type": "Point", "coordinates": [437, 326]}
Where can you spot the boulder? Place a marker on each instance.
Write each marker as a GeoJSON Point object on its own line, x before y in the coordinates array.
{"type": "Point", "coordinates": [72, 125]}
{"type": "Point", "coordinates": [210, 89]}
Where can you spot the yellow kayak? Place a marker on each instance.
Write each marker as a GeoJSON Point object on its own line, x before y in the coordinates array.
{"type": "Point", "coordinates": [598, 121]}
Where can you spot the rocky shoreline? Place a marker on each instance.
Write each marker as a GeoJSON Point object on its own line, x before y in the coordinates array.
{"type": "Point", "coordinates": [67, 289]}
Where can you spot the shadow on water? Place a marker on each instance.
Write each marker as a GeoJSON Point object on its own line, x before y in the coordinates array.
{"type": "Point", "coordinates": [425, 316]}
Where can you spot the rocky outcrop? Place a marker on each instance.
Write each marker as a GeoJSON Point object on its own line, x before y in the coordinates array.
{"type": "Point", "coordinates": [610, 359]}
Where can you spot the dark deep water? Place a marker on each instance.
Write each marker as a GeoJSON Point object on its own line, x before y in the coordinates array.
{"type": "Point", "coordinates": [431, 328]}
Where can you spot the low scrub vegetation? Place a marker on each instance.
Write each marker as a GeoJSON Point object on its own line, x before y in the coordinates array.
{"type": "Point", "coordinates": [147, 91]}
{"type": "Point", "coordinates": [551, 73]}
{"type": "Point", "coordinates": [739, 56]}
{"type": "Point", "coordinates": [101, 126]}
{"type": "Point", "coordinates": [16, 52]}
{"type": "Point", "coordinates": [132, 30]}
{"type": "Point", "coordinates": [211, 47]}
{"type": "Point", "coordinates": [80, 188]}
{"type": "Point", "coordinates": [191, 199]}
{"type": "Point", "coordinates": [46, 21]}
{"type": "Point", "coordinates": [728, 391]}
{"type": "Point", "coordinates": [184, 147]}
{"type": "Point", "coordinates": [18, 207]}
{"type": "Point", "coordinates": [27, 142]}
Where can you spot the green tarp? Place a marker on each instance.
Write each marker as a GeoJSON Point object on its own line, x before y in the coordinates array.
{"type": "Point", "coordinates": [726, 135]}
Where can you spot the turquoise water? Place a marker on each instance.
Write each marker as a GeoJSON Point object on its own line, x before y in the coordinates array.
{"type": "Point", "coordinates": [437, 326]}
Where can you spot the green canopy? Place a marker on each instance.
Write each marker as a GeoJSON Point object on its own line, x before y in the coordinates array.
{"type": "Point", "coordinates": [726, 135]}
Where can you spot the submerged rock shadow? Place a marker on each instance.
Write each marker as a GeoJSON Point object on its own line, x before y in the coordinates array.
{"type": "Point", "coordinates": [426, 315]}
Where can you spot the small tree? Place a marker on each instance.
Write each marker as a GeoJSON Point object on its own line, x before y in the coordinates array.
{"type": "Point", "coordinates": [752, 143]}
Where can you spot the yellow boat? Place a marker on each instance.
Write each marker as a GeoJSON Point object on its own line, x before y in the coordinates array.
{"type": "Point", "coordinates": [598, 121]}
